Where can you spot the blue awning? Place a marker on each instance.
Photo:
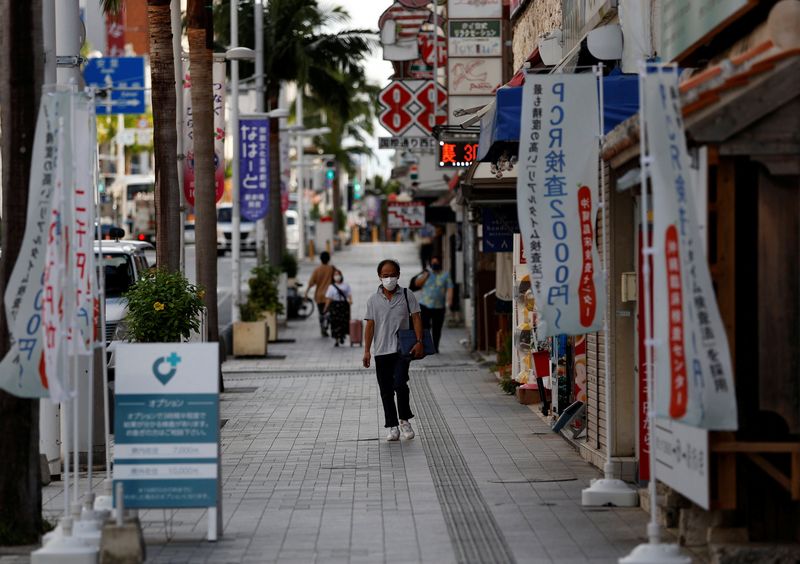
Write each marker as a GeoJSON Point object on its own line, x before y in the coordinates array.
{"type": "Point", "coordinates": [500, 125]}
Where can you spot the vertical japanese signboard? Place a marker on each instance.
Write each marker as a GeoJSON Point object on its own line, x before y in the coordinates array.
{"type": "Point", "coordinates": [254, 167]}
{"type": "Point", "coordinates": [166, 424]}
{"type": "Point", "coordinates": [694, 377]}
{"type": "Point", "coordinates": [218, 92]}
{"type": "Point", "coordinates": [557, 196]}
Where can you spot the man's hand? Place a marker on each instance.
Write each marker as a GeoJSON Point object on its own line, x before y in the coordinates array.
{"type": "Point", "coordinates": [367, 358]}
{"type": "Point", "coordinates": [418, 351]}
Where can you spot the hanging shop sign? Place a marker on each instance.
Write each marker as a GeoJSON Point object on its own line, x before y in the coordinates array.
{"type": "Point", "coordinates": [475, 9]}
{"type": "Point", "coordinates": [410, 143]}
{"type": "Point", "coordinates": [218, 88]}
{"type": "Point", "coordinates": [407, 107]}
{"type": "Point", "coordinates": [498, 228]}
{"type": "Point", "coordinates": [474, 76]}
{"type": "Point", "coordinates": [406, 214]}
{"type": "Point", "coordinates": [682, 459]}
{"type": "Point", "coordinates": [694, 378]}
{"type": "Point", "coordinates": [254, 166]}
{"type": "Point", "coordinates": [685, 24]}
{"type": "Point", "coordinates": [557, 197]}
{"type": "Point", "coordinates": [475, 38]}
{"type": "Point", "coordinates": [457, 154]}
{"type": "Point", "coordinates": [166, 425]}
{"type": "Point", "coordinates": [399, 26]}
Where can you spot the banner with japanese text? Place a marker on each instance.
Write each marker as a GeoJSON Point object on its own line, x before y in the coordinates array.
{"type": "Point", "coordinates": [254, 167]}
{"type": "Point", "coordinates": [218, 92]}
{"type": "Point", "coordinates": [693, 373]}
{"type": "Point", "coordinates": [557, 200]}
{"type": "Point", "coordinates": [22, 371]}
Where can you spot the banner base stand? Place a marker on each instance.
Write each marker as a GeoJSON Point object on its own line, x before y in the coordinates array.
{"type": "Point", "coordinates": [609, 491]}
{"type": "Point", "coordinates": [656, 553]}
{"type": "Point", "coordinates": [65, 548]}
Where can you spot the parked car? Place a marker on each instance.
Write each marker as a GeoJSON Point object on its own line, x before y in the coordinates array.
{"type": "Point", "coordinates": [247, 231]}
{"type": "Point", "coordinates": [123, 263]}
{"type": "Point", "coordinates": [292, 230]}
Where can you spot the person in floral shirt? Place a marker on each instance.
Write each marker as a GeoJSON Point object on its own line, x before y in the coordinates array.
{"type": "Point", "coordinates": [437, 294]}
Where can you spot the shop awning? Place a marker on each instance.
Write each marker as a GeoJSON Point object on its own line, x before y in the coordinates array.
{"type": "Point", "coordinates": [500, 125]}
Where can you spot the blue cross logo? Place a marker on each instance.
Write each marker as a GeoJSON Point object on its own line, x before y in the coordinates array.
{"type": "Point", "coordinates": [173, 360]}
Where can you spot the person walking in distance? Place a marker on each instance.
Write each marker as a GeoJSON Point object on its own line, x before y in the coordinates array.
{"type": "Point", "coordinates": [387, 313]}
{"type": "Point", "coordinates": [338, 299]}
{"type": "Point", "coordinates": [437, 292]}
{"type": "Point", "coordinates": [321, 278]}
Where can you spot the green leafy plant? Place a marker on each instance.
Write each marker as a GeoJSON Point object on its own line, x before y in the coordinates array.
{"type": "Point", "coordinates": [289, 265]}
{"type": "Point", "coordinates": [508, 385]}
{"type": "Point", "coordinates": [163, 307]}
{"type": "Point", "coordinates": [314, 214]}
{"type": "Point", "coordinates": [264, 289]}
{"type": "Point", "coordinates": [341, 220]}
{"type": "Point", "coordinates": [249, 312]}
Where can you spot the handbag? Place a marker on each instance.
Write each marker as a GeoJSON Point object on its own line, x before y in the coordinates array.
{"type": "Point", "coordinates": [408, 337]}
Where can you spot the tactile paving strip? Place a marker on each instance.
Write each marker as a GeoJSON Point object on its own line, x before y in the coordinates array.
{"type": "Point", "coordinates": [474, 533]}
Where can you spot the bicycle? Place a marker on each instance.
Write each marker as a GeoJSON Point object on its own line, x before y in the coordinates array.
{"type": "Point", "coordinates": [299, 306]}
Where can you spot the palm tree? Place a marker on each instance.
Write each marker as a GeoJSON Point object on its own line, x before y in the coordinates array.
{"type": "Point", "coordinates": [21, 73]}
{"type": "Point", "coordinates": [201, 29]}
{"type": "Point", "coordinates": [297, 48]}
{"type": "Point", "coordinates": [165, 140]}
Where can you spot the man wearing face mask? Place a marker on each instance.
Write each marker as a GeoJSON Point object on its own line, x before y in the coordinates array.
{"type": "Point", "coordinates": [387, 313]}
{"type": "Point", "coordinates": [437, 292]}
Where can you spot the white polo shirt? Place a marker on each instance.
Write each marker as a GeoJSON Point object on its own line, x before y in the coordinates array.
{"type": "Point", "coordinates": [389, 316]}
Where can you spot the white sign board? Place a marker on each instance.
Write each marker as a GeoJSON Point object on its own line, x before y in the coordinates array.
{"type": "Point", "coordinates": [475, 9]}
{"type": "Point", "coordinates": [693, 373]}
{"type": "Point", "coordinates": [682, 459]}
{"type": "Point", "coordinates": [557, 200]}
{"type": "Point", "coordinates": [474, 76]}
{"type": "Point", "coordinates": [475, 38]}
{"type": "Point", "coordinates": [406, 214]}
{"type": "Point", "coordinates": [166, 426]}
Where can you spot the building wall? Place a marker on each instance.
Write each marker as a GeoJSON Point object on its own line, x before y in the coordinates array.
{"type": "Point", "coordinates": [539, 17]}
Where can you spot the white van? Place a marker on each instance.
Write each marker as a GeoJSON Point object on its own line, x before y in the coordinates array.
{"type": "Point", "coordinates": [134, 206]}
{"type": "Point", "coordinates": [247, 231]}
{"type": "Point", "coordinates": [292, 224]}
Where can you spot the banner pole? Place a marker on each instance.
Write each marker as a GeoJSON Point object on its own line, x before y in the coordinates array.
{"type": "Point", "coordinates": [609, 490]}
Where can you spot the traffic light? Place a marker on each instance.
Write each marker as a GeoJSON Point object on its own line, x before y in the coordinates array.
{"type": "Point", "coordinates": [330, 170]}
{"type": "Point", "coordinates": [357, 190]}
{"type": "Point", "coordinates": [414, 172]}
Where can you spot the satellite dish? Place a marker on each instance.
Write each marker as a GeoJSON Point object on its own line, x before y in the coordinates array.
{"type": "Point", "coordinates": [550, 48]}
{"type": "Point", "coordinates": [605, 43]}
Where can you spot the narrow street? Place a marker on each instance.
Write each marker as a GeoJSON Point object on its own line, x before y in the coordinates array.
{"type": "Point", "coordinates": [308, 476]}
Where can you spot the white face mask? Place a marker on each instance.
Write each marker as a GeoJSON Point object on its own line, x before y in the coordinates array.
{"type": "Point", "coordinates": [337, 278]}
{"type": "Point", "coordinates": [390, 282]}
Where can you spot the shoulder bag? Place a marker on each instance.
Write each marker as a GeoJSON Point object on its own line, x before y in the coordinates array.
{"type": "Point", "coordinates": [408, 337]}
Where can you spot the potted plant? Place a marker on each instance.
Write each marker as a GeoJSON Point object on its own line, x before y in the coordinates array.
{"type": "Point", "coordinates": [250, 334]}
{"type": "Point", "coordinates": [162, 307]}
{"type": "Point", "coordinates": [265, 297]}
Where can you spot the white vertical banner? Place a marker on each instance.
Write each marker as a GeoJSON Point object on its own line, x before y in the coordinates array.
{"type": "Point", "coordinates": [557, 200]}
{"type": "Point", "coordinates": [693, 373]}
{"type": "Point", "coordinates": [218, 91]}
{"type": "Point", "coordinates": [83, 272]}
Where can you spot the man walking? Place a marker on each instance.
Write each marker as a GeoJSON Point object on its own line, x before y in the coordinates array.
{"type": "Point", "coordinates": [321, 278]}
{"type": "Point", "coordinates": [388, 311]}
{"type": "Point", "coordinates": [437, 291]}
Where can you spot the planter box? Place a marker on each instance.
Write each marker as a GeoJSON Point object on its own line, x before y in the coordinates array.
{"type": "Point", "coordinates": [272, 324]}
{"type": "Point", "coordinates": [527, 396]}
{"type": "Point", "coordinates": [250, 338]}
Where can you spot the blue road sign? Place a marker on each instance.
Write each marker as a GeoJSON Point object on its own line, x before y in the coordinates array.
{"type": "Point", "coordinates": [123, 81]}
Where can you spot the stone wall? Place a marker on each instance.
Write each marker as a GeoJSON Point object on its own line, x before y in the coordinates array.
{"type": "Point", "coordinates": [538, 17]}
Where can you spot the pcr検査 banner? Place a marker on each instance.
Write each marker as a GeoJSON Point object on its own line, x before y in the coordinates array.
{"type": "Point", "coordinates": [557, 200]}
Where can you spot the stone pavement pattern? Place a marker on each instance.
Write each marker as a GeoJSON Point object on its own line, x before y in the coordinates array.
{"type": "Point", "coordinates": [307, 476]}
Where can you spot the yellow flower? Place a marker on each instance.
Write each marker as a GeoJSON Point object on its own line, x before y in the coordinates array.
{"type": "Point", "coordinates": [158, 306]}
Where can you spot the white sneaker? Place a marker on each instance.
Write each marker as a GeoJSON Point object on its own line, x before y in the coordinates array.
{"type": "Point", "coordinates": [394, 434]}
{"type": "Point", "coordinates": [408, 432]}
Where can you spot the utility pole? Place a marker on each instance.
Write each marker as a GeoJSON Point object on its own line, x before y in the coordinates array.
{"type": "Point", "coordinates": [301, 192]}
{"type": "Point", "coordinates": [236, 244]}
{"type": "Point", "coordinates": [258, 17]}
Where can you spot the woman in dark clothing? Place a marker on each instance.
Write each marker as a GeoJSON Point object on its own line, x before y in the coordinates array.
{"type": "Point", "coordinates": [338, 298]}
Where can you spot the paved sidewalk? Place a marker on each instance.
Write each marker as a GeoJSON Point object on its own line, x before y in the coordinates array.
{"type": "Point", "coordinates": [307, 476]}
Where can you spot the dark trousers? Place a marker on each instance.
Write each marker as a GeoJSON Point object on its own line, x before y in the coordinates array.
{"type": "Point", "coordinates": [433, 319]}
{"type": "Point", "coordinates": [323, 318]}
{"type": "Point", "coordinates": [392, 370]}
